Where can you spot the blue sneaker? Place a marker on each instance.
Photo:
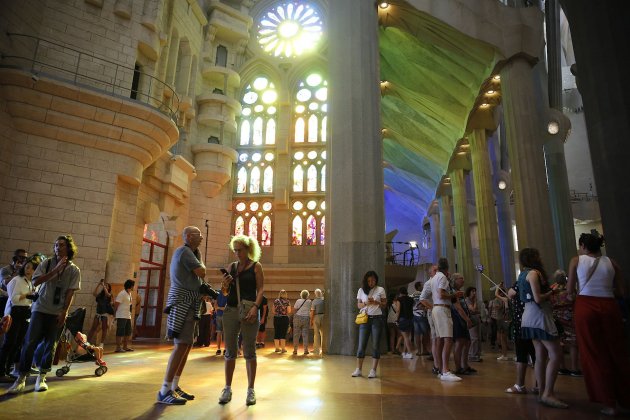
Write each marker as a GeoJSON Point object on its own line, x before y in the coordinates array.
{"type": "Point", "coordinates": [170, 399]}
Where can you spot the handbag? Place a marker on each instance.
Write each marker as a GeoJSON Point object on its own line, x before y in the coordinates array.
{"type": "Point", "coordinates": [244, 306]}
{"type": "Point", "coordinates": [362, 317]}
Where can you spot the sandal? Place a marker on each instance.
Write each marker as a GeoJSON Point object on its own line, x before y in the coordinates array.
{"type": "Point", "coordinates": [516, 389]}
{"type": "Point", "coordinates": [554, 403]}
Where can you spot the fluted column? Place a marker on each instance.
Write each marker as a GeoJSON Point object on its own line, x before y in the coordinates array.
{"type": "Point", "coordinates": [465, 263]}
{"type": "Point", "coordinates": [355, 186]}
{"type": "Point", "coordinates": [524, 131]}
{"type": "Point", "coordinates": [446, 229]}
{"type": "Point", "coordinates": [487, 229]}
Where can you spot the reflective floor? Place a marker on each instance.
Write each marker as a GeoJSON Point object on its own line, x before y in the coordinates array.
{"type": "Point", "coordinates": [289, 387]}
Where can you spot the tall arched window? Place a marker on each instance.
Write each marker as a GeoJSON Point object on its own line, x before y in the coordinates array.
{"type": "Point", "coordinates": [296, 234]}
{"type": "Point", "coordinates": [256, 159]}
{"type": "Point", "coordinates": [309, 158]}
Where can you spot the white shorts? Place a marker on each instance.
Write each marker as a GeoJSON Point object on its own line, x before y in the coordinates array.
{"type": "Point", "coordinates": [442, 321]}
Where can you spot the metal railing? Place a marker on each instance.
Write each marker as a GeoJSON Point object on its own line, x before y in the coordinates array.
{"type": "Point", "coordinates": [401, 253]}
{"type": "Point", "coordinates": [87, 70]}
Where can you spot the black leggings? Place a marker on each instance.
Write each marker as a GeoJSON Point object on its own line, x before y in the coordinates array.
{"type": "Point", "coordinates": [280, 327]}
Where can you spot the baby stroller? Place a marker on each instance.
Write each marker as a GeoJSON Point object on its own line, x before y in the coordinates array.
{"type": "Point", "coordinates": [77, 346]}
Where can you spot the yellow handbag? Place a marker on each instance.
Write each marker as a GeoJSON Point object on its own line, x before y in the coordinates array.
{"type": "Point", "coordinates": [362, 318]}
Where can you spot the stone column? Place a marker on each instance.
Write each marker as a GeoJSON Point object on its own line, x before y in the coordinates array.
{"type": "Point", "coordinates": [446, 229]}
{"type": "Point", "coordinates": [355, 162]}
{"type": "Point", "coordinates": [465, 263]}
{"type": "Point", "coordinates": [559, 194]}
{"type": "Point", "coordinates": [436, 232]}
{"type": "Point", "coordinates": [489, 252]}
{"type": "Point", "coordinates": [524, 131]}
{"type": "Point", "coordinates": [504, 214]}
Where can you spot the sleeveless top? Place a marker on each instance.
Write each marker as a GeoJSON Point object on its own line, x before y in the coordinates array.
{"type": "Point", "coordinates": [525, 289]}
{"type": "Point", "coordinates": [247, 284]}
{"type": "Point", "coordinates": [601, 282]}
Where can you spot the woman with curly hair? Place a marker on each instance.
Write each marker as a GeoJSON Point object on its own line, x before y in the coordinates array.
{"type": "Point", "coordinates": [243, 282]}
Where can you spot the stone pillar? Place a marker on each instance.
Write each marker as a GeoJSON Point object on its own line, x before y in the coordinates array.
{"type": "Point", "coordinates": [603, 55]}
{"type": "Point", "coordinates": [355, 162]}
{"type": "Point", "coordinates": [446, 229]}
{"type": "Point", "coordinates": [465, 264]}
{"type": "Point", "coordinates": [559, 194]}
{"type": "Point", "coordinates": [436, 232]}
{"type": "Point", "coordinates": [489, 252]}
{"type": "Point", "coordinates": [502, 200]}
{"type": "Point", "coordinates": [524, 131]}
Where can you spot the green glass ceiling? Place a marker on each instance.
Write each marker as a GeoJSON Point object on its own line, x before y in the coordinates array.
{"type": "Point", "coordinates": [434, 73]}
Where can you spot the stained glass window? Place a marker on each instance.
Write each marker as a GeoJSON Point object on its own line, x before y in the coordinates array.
{"type": "Point", "coordinates": [311, 231]}
{"type": "Point", "coordinates": [298, 179]}
{"type": "Point", "coordinates": [311, 178]}
{"type": "Point", "coordinates": [265, 238]}
{"type": "Point", "coordinates": [268, 180]}
{"type": "Point", "coordinates": [296, 236]}
{"type": "Point", "coordinates": [323, 183]}
{"type": "Point", "coordinates": [289, 30]}
{"type": "Point", "coordinates": [299, 130]}
{"type": "Point", "coordinates": [270, 135]}
{"type": "Point", "coordinates": [239, 226]}
{"type": "Point", "coordinates": [255, 219]}
{"type": "Point", "coordinates": [245, 132]}
{"type": "Point", "coordinates": [259, 109]}
{"type": "Point", "coordinates": [241, 184]}
{"type": "Point", "coordinates": [322, 230]}
{"type": "Point", "coordinates": [254, 183]}
{"type": "Point", "coordinates": [253, 228]}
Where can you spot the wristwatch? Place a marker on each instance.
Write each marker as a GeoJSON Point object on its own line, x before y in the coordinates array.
{"type": "Point", "coordinates": [256, 305]}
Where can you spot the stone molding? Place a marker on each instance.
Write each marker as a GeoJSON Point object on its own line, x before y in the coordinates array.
{"type": "Point", "coordinates": [213, 163]}
{"type": "Point", "coordinates": [61, 111]}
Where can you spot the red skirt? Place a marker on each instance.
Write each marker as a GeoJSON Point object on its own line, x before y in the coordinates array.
{"type": "Point", "coordinates": [605, 362]}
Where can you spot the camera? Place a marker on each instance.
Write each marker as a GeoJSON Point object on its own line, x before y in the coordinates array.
{"type": "Point", "coordinates": [32, 296]}
{"type": "Point", "coordinates": [206, 290]}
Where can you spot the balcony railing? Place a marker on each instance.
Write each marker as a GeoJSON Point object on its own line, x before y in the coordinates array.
{"type": "Point", "coordinates": [87, 70]}
{"type": "Point", "coordinates": [401, 253]}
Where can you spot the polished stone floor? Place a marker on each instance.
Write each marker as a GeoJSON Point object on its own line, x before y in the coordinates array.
{"type": "Point", "coordinates": [289, 387]}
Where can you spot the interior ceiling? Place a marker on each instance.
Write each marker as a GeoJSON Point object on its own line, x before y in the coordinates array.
{"type": "Point", "coordinates": [431, 76]}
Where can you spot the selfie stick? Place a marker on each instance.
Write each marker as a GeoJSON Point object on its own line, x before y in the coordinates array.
{"type": "Point", "coordinates": [480, 269]}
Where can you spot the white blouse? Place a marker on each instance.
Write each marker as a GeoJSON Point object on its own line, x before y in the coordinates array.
{"type": "Point", "coordinates": [18, 286]}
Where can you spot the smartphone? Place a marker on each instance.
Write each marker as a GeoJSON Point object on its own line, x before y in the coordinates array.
{"type": "Point", "coordinates": [224, 271]}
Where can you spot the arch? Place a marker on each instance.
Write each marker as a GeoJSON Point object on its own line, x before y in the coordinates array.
{"type": "Point", "coordinates": [245, 132]}
{"type": "Point", "coordinates": [241, 181]}
{"type": "Point", "coordinates": [298, 179]}
{"type": "Point", "coordinates": [296, 231]}
{"type": "Point", "coordinates": [311, 179]}
{"type": "Point", "coordinates": [221, 56]}
{"type": "Point", "coordinates": [270, 132]}
{"type": "Point", "coordinates": [254, 180]}
{"type": "Point", "coordinates": [324, 128]}
{"type": "Point", "coordinates": [257, 138]}
{"type": "Point", "coordinates": [239, 226]}
{"type": "Point", "coordinates": [323, 179]}
{"type": "Point", "coordinates": [253, 228]}
{"type": "Point", "coordinates": [322, 231]}
{"type": "Point", "coordinates": [265, 234]}
{"type": "Point", "coordinates": [256, 68]}
{"type": "Point", "coordinates": [299, 130]}
{"type": "Point", "coordinates": [268, 180]}
{"type": "Point", "coordinates": [312, 128]}
{"type": "Point", "coordinates": [311, 230]}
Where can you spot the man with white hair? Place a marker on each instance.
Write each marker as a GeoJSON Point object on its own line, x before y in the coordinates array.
{"type": "Point", "coordinates": [184, 310]}
{"type": "Point", "coordinates": [317, 315]}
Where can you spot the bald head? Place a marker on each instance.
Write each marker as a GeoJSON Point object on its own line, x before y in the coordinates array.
{"type": "Point", "coordinates": [192, 236]}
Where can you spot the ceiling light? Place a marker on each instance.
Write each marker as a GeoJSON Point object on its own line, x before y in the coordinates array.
{"type": "Point", "coordinates": [497, 77]}
{"type": "Point", "coordinates": [502, 185]}
{"type": "Point", "coordinates": [490, 92]}
{"type": "Point", "coordinates": [484, 105]}
{"type": "Point", "coordinates": [553, 127]}
{"type": "Point", "coordinates": [383, 5]}
{"type": "Point", "coordinates": [413, 244]}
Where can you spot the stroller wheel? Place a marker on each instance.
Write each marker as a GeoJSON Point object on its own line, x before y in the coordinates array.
{"type": "Point", "coordinates": [65, 369]}
{"type": "Point", "coordinates": [99, 371]}
{"type": "Point", "coordinates": [59, 373]}
{"type": "Point", "coordinates": [104, 369]}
